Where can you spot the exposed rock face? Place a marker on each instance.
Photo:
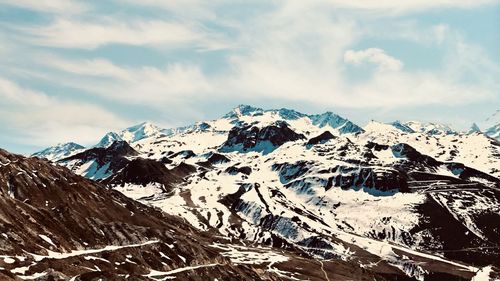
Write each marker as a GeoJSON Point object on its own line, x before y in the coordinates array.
{"type": "Point", "coordinates": [145, 171]}
{"type": "Point", "coordinates": [253, 138]}
{"type": "Point", "coordinates": [235, 170]}
{"type": "Point", "coordinates": [184, 154]}
{"type": "Point", "coordinates": [99, 163]}
{"type": "Point", "coordinates": [323, 137]}
{"type": "Point", "coordinates": [295, 176]}
{"type": "Point", "coordinates": [217, 158]}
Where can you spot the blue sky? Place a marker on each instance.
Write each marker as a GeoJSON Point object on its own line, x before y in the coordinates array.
{"type": "Point", "coordinates": [74, 70]}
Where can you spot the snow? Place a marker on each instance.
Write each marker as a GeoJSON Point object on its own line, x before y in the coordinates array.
{"type": "Point", "coordinates": [57, 255]}
{"type": "Point", "coordinates": [20, 270]}
{"type": "Point", "coordinates": [483, 274]}
{"type": "Point", "coordinates": [473, 150]}
{"type": "Point", "coordinates": [8, 260]}
{"type": "Point", "coordinates": [47, 239]}
{"type": "Point", "coordinates": [59, 151]}
{"type": "Point", "coordinates": [155, 273]}
{"type": "Point", "coordinates": [92, 258]}
{"type": "Point", "coordinates": [33, 276]}
{"type": "Point", "coordinates": [137, 192]}
{"type": "Point", "coordinates": [244, 255]}
{"type": "Point", "coordinates": [386, 251]}
{"type": "Point", "coordinates": [464, 206]}
{"type": "Point", "coordinates": [429, 128]}
{"type": "Point", "coordinates": [494, 131]}
{"type": "Point", "coordinates": [131, 134]}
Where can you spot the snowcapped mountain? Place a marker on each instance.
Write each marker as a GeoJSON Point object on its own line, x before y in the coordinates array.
{"type": "Point", "coordinates": [248, 114]}
{"type": "Point", "coordinates": [429, 128]}
{"type": "Point", "coordinates": [59, 151]}
{"type": "Point", "coordinates": [404, 199]}
{"type": "Point", "coordinates": [332, 120]}
{"type": "Point", "coordinates": [474, 150]}
{"type": "Point", "coordinates": [131, 134]}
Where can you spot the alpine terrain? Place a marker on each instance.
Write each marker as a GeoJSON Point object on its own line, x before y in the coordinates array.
{"type": "Point", "coordinates": [257, 195]}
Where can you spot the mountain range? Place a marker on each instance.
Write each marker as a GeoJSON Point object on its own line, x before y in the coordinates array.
{"type": "Point", "coordinates": [271, 194]}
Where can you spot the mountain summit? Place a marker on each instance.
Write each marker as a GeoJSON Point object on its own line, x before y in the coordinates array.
{"type": "Point", "coordinates": [130, 134]}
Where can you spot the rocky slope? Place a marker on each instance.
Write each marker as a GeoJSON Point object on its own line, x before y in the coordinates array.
{"type": "Point", "coordinates": [406, 198]}
{"type": "Point", "coordinates": [59, 226]}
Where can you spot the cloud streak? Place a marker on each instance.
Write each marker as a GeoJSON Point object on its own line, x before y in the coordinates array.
{"type": "Point", "coordinates": [49, 6]}
{"type": "Point", "coordinates": [64, 33]}
{"type": "Point", "coordinates": [34, 115]}
{"type": "Point", "coordinates": [375, 56]}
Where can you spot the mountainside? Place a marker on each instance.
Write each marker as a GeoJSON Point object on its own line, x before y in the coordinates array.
{"type": "Point", "coordinates": [402, 199]}
{"type": "Point", "coordinates": [60, 226]}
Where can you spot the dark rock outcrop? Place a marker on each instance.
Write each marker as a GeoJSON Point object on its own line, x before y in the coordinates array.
{"type": "Point", "coordinates": [104, 160]}
{"type": "Point", "coordinates": [142, 171]}
{"type": "Point", "coordinates": [266, 139]}
{"type": "Point", "coordinates": [322, 138]}
{"type": "Point", "coordinates": [217, 158]}
{"type": "Point", "coordinates": [233, 170]}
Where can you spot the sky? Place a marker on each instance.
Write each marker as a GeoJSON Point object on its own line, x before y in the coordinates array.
{"type": "Point", "coordinates": [74, 70]}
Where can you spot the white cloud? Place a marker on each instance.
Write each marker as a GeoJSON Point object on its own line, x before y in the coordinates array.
{"type": "Point", "coordinates": [45, 120]}
{"type": "Point", "coordinates": [440, 32]}
{"type": "Point", "coordinates": [293, 51]}
{"type": "Point", "coordinates": [144, 85]}
{"type": "Point", "coordinates": [88, 67]}
{"type": "Point", "coordinates": [49, 6]}
{"type": "Point", "coordinates": [181, 8]}
{"type": "Point", "coordinates": [200, 7]}
{"type": "Point", "coordinates": [373, 55]}
{"type": "Point", "coordinates": [66, 33]}
{"type": "Point", "coordinates": [397, 6]}
{"type": "Point", "coordinates": [305, 63]}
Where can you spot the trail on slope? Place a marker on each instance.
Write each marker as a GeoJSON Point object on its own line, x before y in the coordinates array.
{"type": "Point", "coordinates": [324, 272]}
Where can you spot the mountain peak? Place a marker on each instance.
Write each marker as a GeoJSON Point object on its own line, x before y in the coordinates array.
{"type": "Point", "coordinates": [108, 139]}
{"type": "Point", "coordinates": [335, 121]}
{"type": "Point", "coordinates": [243, 110]}
{"type": "Point", "coordinates": [289, 114]}
{"type": "Point", "coordinates": [130, 134]}
{"type": "Point", "coordinates": [58, 151]}
{"type": "Point", "coordinates": [143, 125]}
{"type": "Point", "coordinates": [139, 131]}
{"type": "Point", "coordinates": [402, 126]}
{"type": "Point", "coordinates": [474, 128]}
{"type": "Point", "coordinates": [430, 128]}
